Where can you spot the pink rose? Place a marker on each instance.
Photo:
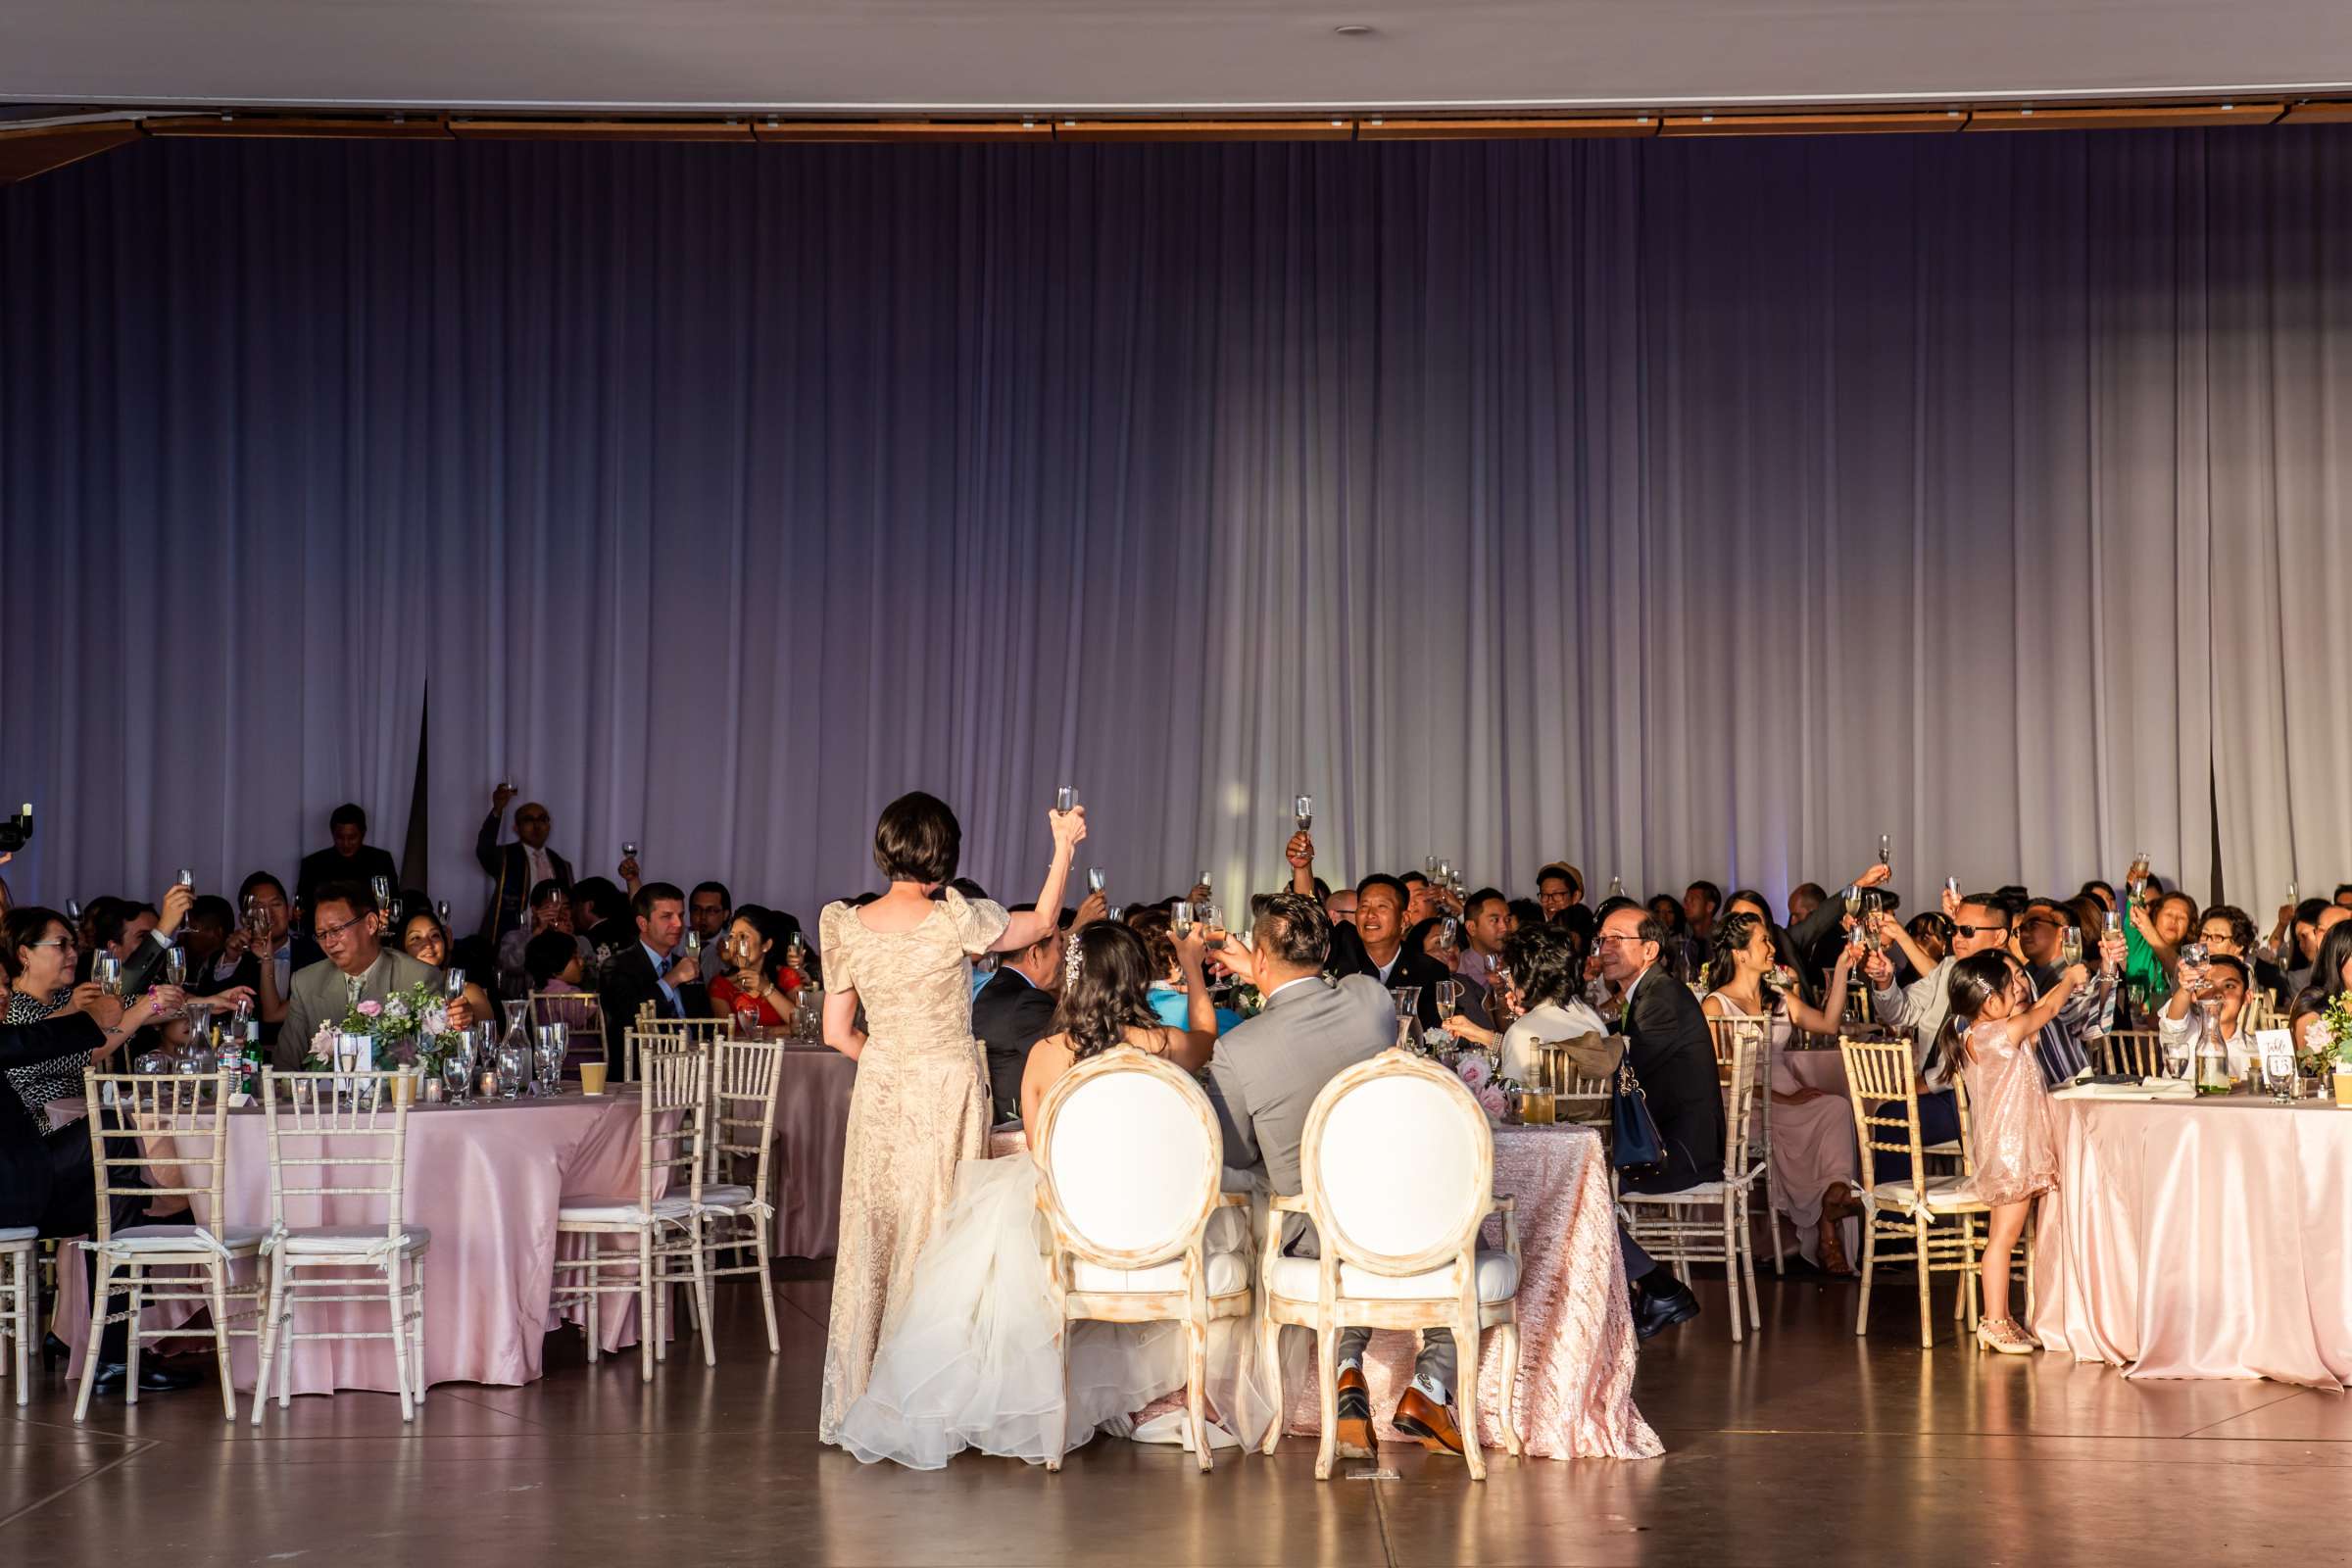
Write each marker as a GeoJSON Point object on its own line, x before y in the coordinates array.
{"type": "Point", "coordinates": [369, 1010]}
{"type": "Point", "coordinates": [1472, 1070]}
{"type": "Point", "coordinates": [1491, 1100]}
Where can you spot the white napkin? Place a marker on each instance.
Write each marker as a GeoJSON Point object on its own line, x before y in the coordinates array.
{"type": "Point", "coordinates": [2145, 1089]}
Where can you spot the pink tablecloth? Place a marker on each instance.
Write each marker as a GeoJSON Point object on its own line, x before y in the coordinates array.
{"type": "Point", "coordinates": [813, 1127]}
{"type": "Point", "coordinates": [1576, 1325]}
{"type": "Point", "coordinates": [2201, 1239]}
{"type": "Point", "coordinates": [486, 1180]}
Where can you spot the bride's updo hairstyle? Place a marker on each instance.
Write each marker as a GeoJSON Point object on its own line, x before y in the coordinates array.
{"type": "Point", "coordinates": [917, 839]}
{"type": "Point", "coordinates": [1103, 988]}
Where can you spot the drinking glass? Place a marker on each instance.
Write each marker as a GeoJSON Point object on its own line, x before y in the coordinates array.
{"type": "Point", "coordinates": [747, 1018]}
{"type": "Point", "coordinates": [1180, 918]}
{"type": "Point", "coordinates": [554, 1043]}
{"type": "Point", "coordinates": [2193, 964]}
{"type": "Point", "coordinates": [1616, 887]}
{"type": "Point", "coordinates": [1094, 879]}
{"type": "Point", "coordinates": [1450, 930]}
{"type": "Point", "coordinates": [1065, 798]}
{"type": "Point", "coordinates": [74, 910]}
{"type": "Point", "coordinates": [107, 970]}
{"type": "Point", "coordinates": [1407, 1000]}
{"type": "Point", "coordinates": [694, 944]}
{"type": "Point", "coordinates": [628, 852]}
{"type": "Point", "coordinates": [1303, 811]}
{"type": "Point", "coordinates": [457, 1077]}
{"type": "Point", "coordinates": [1211, 921]}
{"type": "Point", "coordinates": [1887, 850]}
{"type": "Point", "coordinates": [441, 912]}
{"type": "Point", "coordinates": [1449, 999]}
{"type": "Point", "coordinates": [513, 1067]}
{"type": "Point", "coordinates": [1853, 905]}
{"type": "Point", "coordinates": [185, 878]}
{"type": "Point", "coordinates": [381, 885]}
{"type": "Point", "coordinates": [175, 966]}
{"type": "Point", "coordinates": [452, 983]}
{"type": "Point", "coordinates": [2069, 946]}
{"type": "Point", "coordinates": [1205, 880]}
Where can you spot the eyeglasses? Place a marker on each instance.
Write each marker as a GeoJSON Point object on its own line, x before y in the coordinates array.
{"type": "Point", "coordinates": [2043, 921]}
{"type": "Point", "coordinates": [1607, 937]}
{"type": "Point", "coordinates": [1979, 930]}
{"type": "Point", "coordinates": [67, 942]}
{"type": "Point", "coordinates": [327, 931]}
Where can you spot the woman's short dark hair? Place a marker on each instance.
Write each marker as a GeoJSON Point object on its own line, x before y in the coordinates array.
{"type": "Point", "coordinates": [1159, 939]}
{"type": "Point", "coordinates": [1103, 996]}
{"type": "Point", "coordinates": [547, 955]}
{"type": "Point", "coordinates": [918, 838]}
{"type": "Point", "coordinates": [2241, 925]}
{"type": "Point", "coordinates": [22, 927]}
{"type": "Point", "coordinates": [1544, 963]}
{"type": "Point", "coordinates": [1526, 912]}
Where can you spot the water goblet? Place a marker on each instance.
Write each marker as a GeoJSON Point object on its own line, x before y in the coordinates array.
{"type": "Point", "coordinates": [457, 1076]}
{"type": "Point", "coordinates": [513, 1069]}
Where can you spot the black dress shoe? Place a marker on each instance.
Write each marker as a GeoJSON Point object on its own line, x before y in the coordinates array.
{"type": "Point", "coordinates": [1662, 1306]}
{"type": "Point", "coordinates": [54, 1350]}
{"type": "Point", "coordinates": [154, 1377]}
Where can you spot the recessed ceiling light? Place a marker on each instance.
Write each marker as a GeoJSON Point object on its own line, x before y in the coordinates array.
{"type": "Point", "coordinates": [1353, 29]}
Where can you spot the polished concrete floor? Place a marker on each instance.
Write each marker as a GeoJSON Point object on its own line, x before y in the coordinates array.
{"type": "Point", "coordinates": [1804, 1446]}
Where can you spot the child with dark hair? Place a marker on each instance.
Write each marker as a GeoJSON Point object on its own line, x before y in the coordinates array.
{"type": "Point", "coordinates": [1988, 1034]}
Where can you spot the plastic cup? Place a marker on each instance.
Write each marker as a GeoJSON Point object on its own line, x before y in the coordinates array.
{"type": "Point", "coordinates": [592, 1079]}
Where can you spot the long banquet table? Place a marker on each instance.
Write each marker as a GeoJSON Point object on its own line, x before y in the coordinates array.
{"type": "Point", "coordinates": [486, 1180]}
{"type": "Point", "coordinates": [1576, 1326]}
{"type": "Point", "coordinates": [2200, 1238]}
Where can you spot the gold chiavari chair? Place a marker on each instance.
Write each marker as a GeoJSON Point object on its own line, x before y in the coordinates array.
{"type": "Point", "coordinates": [174, 1126]}
{"type": "Point", "coordinates": [2137, 1052]}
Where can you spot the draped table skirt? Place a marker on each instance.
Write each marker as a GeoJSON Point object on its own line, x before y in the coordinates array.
{"type": "Point", "coordinates": [1576, 1350]}
{"type": "Point", "coordinates": [486, 1180]}
{"type": "Point", "coordinates": [2200, 1238]}
{"type": "Point", "coordinates": [813, 1129]}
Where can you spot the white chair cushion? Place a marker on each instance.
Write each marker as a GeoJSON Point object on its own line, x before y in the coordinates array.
{"type": "Point", "coordinates": [1296, 1279]}
{"type": "Point", "coordinates": [620, 1211]}
{"type": "Point", "coordinates": [11, 1235]}
{"type": "Point", "coordinates": [340, 1240]}
{"type": "Point", "coordinates": [1228, 1274]}
{"type": "Point", "coordinates": [725, 1199]}
{"type": "Point", "coordinates": [183, 1238]}
{"type": "Point", "coordinates": [1943, 1193]}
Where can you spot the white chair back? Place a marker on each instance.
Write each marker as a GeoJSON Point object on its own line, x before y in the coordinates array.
{"type": "Point", "coordinates": [338, 1141]}
{"type": "Point", "coordinates": [744, 1075]}
{"type": "Point", "coordinates": [170, 1126]}
{"type": "Point", "coordinates": [1130, 1158]}
{"type": "Point", "coordinates": [1397, 1205]}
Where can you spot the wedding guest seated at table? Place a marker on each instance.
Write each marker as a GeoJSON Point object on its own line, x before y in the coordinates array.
{"type": "Point", "coordinates": [551, 911]}
{"type": "Point", "coordinates": [1991, 1022]}
{"type": "Point", "coordinates": [425, 938]}
{"type": "Point", "coordinates": [1430, 940]}
{"type": "Point", "coordinates": [751, 951]}
{"type": "Point", "coordinates": [140, 935]}
{"type": "Point", "coordinates": [46, 1176]}
{"type": "Point", "coordinates": [2330, 978]}
{"type": "Point", "coordinates": [1701, 900]}
{"type": "Point", "coordinates": [2223, 980]}
{"type": "Point", "coordinates": [357, 969]}
{"type": "Point", "coordinates": [2224, 928]}
{"type": "Point", "coordinates": [1672, 1055]}
{"type": "Point", "coordinates": [2153, 932]}
{"type": "Point", "coordinates": [1546, 968]}
{"type": "Point", "coordinates": [1169, 1000]}
{"type": "Point", "coordinates": [1486, 922]}
{"type": "Point", "coordinates": [1980, 925]}
{"type": "Point", "coordinates": [1815, 1165]}
{"type": "Point", "coordinates": [1014, 1011]}
{"type": "Point", "coordinates": [1265, 1076]}
{"type": "Point", "coordinates": [1374, 946]}
{"type": "Point", "coordinates": [651, 969]}
{"type": "Point", "coordinates": [1676, 950]}
{"type": "Point", "coordinates": [974, 1359]}
{"type": "Point", "coordinates": [37, 953]}
{"type": "Point", "coordinates": [552, 963]}
{"type": "Point", "coordinates": [204, 937]}
{"type": "Point", "coordinates": [710, 910]}
{"type": "Point", "coordinates": [1560, 894]}
{"type": "Point", "coordinates": [1804, 900]}
{"type": "Point", "coordinates": [264, 952]}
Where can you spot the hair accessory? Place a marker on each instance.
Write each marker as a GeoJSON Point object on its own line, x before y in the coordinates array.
{"type": "Point", "coordinates": [1071, 960]}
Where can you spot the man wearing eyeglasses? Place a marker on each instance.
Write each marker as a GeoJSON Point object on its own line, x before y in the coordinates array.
{"type": "Point", "coordinates": [357, 969]}
{"type": "Point", "coordinates": [516, 868]}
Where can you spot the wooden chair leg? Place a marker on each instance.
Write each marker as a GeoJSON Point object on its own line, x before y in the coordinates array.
{"type": "Point", "coordinates": [1327, 1393]}
{"type": "Point", "coordinates": [1927, 1314]}
{"type": "Point", "coordinates": [103, 1278]}
{"type": "Point", "coordinates": [1508, 1347]}
{"type": "Point", "coordinates": [702, 1298]}
{"type": "Point", "coordinates": [1196, 1372]}
{"type": "Point", "coordinates": [228, 1383]}
{"type": "Point", "coordinates": [1747, 1260]}
{"type": "Point", "coordinates": [1061, 1408]}
{"type": "Point", "coordinates": [1269, 1349]}
{"type": "Point", "coordinates": [1731, 1261]}
{"type": "Point", "coordinates": [1870, 1260]}
{"type": "Point", "coordinates": [1465, 1338]}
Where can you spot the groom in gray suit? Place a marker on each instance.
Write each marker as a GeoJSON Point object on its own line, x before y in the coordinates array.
{"type": "Point", "coordinates": [1264, 1078]}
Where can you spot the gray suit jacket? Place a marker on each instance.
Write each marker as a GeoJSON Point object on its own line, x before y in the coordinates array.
{"type": "Point", "coordinates": [322, 997]}
{"type": "Point", "coordinates": [1267, 1070]}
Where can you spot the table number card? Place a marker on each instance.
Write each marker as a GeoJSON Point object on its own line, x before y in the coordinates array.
{"type": "Point", "coordinates": [2277, 1055]}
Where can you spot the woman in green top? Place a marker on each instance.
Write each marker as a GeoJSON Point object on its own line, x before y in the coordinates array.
{"type": "Point", "coordinates": [2152, 938]}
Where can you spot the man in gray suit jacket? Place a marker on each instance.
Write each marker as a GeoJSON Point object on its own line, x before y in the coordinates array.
{"type": "Point", "coordinates": [357, 969]}
{"type": "Point", "coordinates": [1264, 1078]}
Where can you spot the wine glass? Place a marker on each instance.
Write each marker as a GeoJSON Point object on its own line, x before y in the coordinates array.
{"type": "Point", "coordinates": [747, 1018]}
{"type": "Point", "coordinates": [1211, 921]}
{"type": "Point", "coordinates": [1180, 918]}
{"type": "Point", "coordinates": [186, 877]}
{"type": "Point", "coordinates": [452, 983]}
{"type": "Point", "coordinates": [2193, 962]}
{"type": "Point", "coordinates": [175, 966]}
{"type": "Point", "coordinates": [1065, 798]}
{"type": "Point", "coordinates": [1450, 930]}
{"type": "Point", "coordinates": [1303, 811]}
{"type": "Point", "coordinates": [1853, 905]}
{"type": "Point", "coordinates": [107, 970]}
{"type": "Point", "coordinates": [1449, 999]}
{"type": "Point", "coordinates": [628, 850]}
{"type": "Point", "coordinates": [513, 1067]}
{"type": "Point", "coordinates": [2069, 946]}
{"type": "Point", "coordinates": [1094, 879]}
{"type": "Point", "coordinates": [457, 1076]}
{"type": "Point", "coordinates": [1616, 887]}
{"type": "Point", "coordinates": [441, 912]}
{"type": "Point", "coordinates": [1887, 850]}
{"type": "Point", "coordinates": [694, 944]}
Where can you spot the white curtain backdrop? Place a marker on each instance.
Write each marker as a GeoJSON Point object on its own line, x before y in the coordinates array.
{"type": "Point", "coordinates": [1684, 509]}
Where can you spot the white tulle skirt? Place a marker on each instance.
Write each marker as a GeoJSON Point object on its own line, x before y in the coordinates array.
{"type": "Point", "coordinates": [974, 1359]}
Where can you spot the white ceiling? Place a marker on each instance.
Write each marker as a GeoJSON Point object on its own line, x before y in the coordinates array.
{"type": "Point", "coordinates": [992, 56]}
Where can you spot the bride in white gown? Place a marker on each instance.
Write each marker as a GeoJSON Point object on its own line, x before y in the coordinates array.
{"type": "Point", "coordinates": [973, 1358]}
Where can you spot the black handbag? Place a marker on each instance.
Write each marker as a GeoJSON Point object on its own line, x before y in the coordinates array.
{"type": "Point", "coordinates": [1635, 1146]}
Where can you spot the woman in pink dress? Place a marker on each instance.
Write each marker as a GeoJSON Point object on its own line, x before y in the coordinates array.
{"type": "Point", "coordinates": [2013, 1139]}
{"type": "Point", "coordinates": [1815, 1169]}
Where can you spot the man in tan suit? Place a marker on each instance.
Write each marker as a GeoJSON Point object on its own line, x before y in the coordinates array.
{"type": "Point", "coordinates": [357, 969]}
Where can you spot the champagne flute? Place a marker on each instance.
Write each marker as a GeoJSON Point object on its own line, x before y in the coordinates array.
{"type": "Point", "coordinates": [2069, 946]}
{"type": "Point", "coordinates": [1303, 811]}
{"type": "Point", "coordinates": [452, 983]}
{"type": "Point", "coordinates": [1065, 798]}
{"type": "Point", "coordinates": [175, 966]}
{"type": "Point", "coordinates": [441, 912]}
{"type": "Point", "coordinates": [185, 878]}
{"type": "Point", "coordinates": [1211, 921]}
{"type": "Point", "coordinates": [1616, 887]}
{"type": "Point", "coordinates": [1180, 918]}
{"type": "Point", "coordinates": [1094, 879]}
{"type": "Point", "coordinates": [107, 970]}
{"type": "Point", "coordinates": [1887, 850]}
{"type": "Point", "coordinates": [381, 886]}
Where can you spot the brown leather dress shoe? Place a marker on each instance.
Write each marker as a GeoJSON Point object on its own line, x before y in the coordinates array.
{"type": "Point", "coordinates": [1417, 1416]}
{"type": "Point", "coordinates": [1352, 1433]}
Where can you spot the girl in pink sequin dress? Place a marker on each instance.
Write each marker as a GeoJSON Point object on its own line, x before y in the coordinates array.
{"type": "Point", "coordinates": [2013, 1139]}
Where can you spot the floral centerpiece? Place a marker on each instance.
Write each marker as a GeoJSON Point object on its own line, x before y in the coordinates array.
{"type": "Point", "coordinates": [408, 1027]}
{"type": "Point", "coordinates": [1479, 1078]}
{"type": "Point", "coordinates": [2326, 1044]}
{"type": "Point", "coordinates": [1246, 1000]}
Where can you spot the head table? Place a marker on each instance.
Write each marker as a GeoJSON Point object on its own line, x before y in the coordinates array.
{"type": "Point", "coordinates": [2200, 1238]}
{"type": "Point", "coordinates": [1576, 1329]}
{"type": "Point", "coordinates": [486, 1179]}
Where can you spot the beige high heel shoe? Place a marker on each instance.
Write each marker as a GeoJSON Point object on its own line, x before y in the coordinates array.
{"type": "Point", "coordinates": [2005, 1336]}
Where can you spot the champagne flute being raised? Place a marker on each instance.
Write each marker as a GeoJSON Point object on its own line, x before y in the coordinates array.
{"type": "Point", "coordinates": [381, 886]}
{"type": "Point", "coordinates": [1211, 921]}
{"type": "Point", "coordinates": [1303, 813]}
{"type": "Point", "coordinates": [2069, 946]}
{"type": "Point", "coordinates": [1180, 918]}
{"type": "Point", "coordinates": [1887, 850]}
{"type": "Point", "coordinates": [1065, 798]}
{"type": "Point", "coordinates": [1094, 879]}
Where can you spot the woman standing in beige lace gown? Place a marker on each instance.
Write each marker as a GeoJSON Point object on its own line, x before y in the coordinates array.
{"type": "Point", "coordinates": [921, 1101]}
